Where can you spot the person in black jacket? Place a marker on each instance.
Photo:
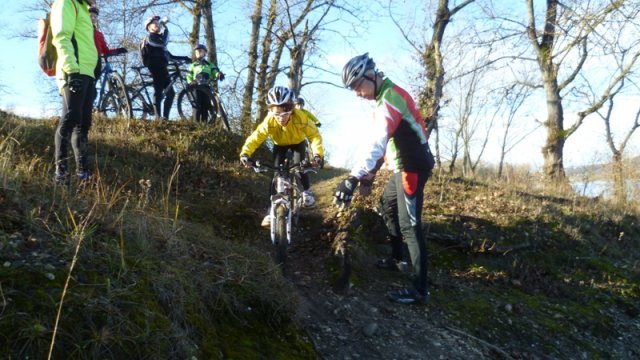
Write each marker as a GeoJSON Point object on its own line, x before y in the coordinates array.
{"type": "Point", "coordinates": [156, 57]}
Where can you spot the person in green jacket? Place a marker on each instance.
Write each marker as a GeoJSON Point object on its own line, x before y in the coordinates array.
{"type": "Point", "coordinates": [72, 32]}
{"type": "Point", "coordinates": [202, 72]}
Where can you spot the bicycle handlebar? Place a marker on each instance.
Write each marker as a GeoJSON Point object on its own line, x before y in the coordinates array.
{"type": "Point", "coordinates": [303, 166]}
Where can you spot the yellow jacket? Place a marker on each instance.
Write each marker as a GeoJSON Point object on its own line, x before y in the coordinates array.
{"type": "Point", "coordinates": [299, 128]}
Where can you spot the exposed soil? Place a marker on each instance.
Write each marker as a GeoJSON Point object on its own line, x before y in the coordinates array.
{"type": "Point", "coordinates": [357, 321]}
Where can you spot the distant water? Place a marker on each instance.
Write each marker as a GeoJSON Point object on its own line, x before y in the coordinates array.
{"type": "Point", "coordinates": [605, 188]}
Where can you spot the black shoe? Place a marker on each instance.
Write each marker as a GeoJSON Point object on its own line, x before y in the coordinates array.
{"type": "Point", "coordinates": [408, 296]}
{"type": "Point", "coordinates": [392, 265]}
{"type": "Point", "coordinates": [83, 176]}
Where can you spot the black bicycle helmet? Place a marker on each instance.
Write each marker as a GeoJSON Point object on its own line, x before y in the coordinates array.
{"type": "Point", "coordinates": [355, 69]}
{"type": "Point", "coordinates": [150, 20]}
{"type": "Point", "coordinates": [299, 101]}
{"type": "Point", "coordinates": [201, 46]}
{"type": "Point", "coordinates": [279, 95]}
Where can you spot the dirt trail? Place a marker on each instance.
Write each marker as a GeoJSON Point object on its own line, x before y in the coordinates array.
{"type": "Point", "coordinates": [361, 323]}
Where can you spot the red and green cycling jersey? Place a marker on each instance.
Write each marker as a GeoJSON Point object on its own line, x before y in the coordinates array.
{"type": "Point", "coordinates": [397, 133]}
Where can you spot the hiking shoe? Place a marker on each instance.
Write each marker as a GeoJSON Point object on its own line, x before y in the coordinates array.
{"type": "Point", "coordinates": [392, 265]}
{"type": "Point", "coordinates": [307, 199]}
{"type": "Point", "coordinates": [83, 176]}
{"type": "Point", "coordinates": [266, 222]}
{"type": "Point", "coordinates": [408, 295]}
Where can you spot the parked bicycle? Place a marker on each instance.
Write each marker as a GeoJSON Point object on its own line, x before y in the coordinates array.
{"type": "Point", "coordinates": [112, 98]}
{"type": "Point", "coordinates": [190, 102]}
{"type": "Point", "coordinates": [285, 202]}
{"type": "Point", "coordinates": [141, 100]}
{"type": "Point", "coordinates": [140, 91]}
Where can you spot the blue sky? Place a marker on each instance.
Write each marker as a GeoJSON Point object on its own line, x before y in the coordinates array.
{"type": "Point", "coordinates": [345, 118]}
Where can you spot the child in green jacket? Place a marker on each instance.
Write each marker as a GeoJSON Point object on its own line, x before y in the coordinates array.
{"type": "Point", "coordinates": [201, 73]}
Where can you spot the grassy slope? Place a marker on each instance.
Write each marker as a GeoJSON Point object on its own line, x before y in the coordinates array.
{"type": "Point", "coordinates": [167, 264]}
{"type": "Point", "coordinates": [171, 264]}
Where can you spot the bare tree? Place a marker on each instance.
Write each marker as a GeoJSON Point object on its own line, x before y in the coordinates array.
{"type": "Point", "coordinates": [513, 98]}
{"type": "Point", "coordinates": [617, 150]}
{"type": "Point", "coordinates": [564, 42]}
{"type": "Point", "coordinates": [432, 60]}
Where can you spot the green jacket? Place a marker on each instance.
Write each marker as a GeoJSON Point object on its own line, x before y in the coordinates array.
{"type": "Point", "coordinates": [72, 32]}
{"type": "Point", "coordinates": [202, 67]}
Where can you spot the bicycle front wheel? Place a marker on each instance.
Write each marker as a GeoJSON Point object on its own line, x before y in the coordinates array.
{"type": "Point", "coordinates": [197, 104]}
{"type": "Point", "coordinates": [119, 92]}
{"type": "Point", "coordinates": [222, 112]}
{"type": "Point", "coordinates": [281, 241]}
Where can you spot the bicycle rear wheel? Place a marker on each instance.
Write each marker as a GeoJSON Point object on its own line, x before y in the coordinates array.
{"type": "Point", "coordinates": [140, 108]}
{"type": "Point", "coordinates": [281, 234]}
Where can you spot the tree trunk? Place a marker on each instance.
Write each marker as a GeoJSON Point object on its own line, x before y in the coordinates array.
{"type": "Point", "coordinates": [619, 186]}
{"type": "Point", "coordinates": [432, 62]}
{"type": "Point", "coordinates": [194, 35]}
{"type": "Point", "coordinates": [554, 146]}
{"type": "Point", "coordinates": [210, 35]}
{"type": "Point", "coordinates": [263, 84]}
{"type": "Point", "coordinates": [246, 124]}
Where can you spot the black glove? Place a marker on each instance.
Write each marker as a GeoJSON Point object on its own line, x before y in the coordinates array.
{"type": "Point", "coordinates": [344, 191]}
{"type": "Point", "coordinates": [121, 51]}
{"type": "Point", "coordinates": [74, 81]}
{"type": "Point", "coordinates": [319, 161]}
{"type": "Point", "coordinates": [244, 159]}
{"type": "Point", "coordinates": [318, 124]}
{"type": "Point", "coordinates": [220, 76]}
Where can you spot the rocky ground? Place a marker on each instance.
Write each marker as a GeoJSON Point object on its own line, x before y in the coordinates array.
{"type": "Point", "coordinates": [357, 321]}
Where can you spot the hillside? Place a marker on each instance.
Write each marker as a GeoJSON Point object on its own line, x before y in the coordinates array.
{"type": "Point", "coordinates": [168, 261]}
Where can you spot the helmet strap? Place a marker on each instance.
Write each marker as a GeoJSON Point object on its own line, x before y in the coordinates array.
{"type": "Point", "coordinates": [375, 83]}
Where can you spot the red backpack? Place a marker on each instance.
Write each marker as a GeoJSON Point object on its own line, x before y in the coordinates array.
{"type": "Point", "coordinates": [47, 54]}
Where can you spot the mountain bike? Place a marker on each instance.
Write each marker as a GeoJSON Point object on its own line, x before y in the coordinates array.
{"type": "Point", "coordinates": [112, 98]}
{"type": "Point", "coordinates": [142, 104]}
{"type": "Point", "coordinates": [190, 102]}
{"type": "Point", "coordinates": [286, 201]}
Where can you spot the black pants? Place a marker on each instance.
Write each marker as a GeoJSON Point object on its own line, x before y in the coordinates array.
{"type": "Point", "coordinates": [401, 206]}
{"type": "Point", "coordinates": [299, 151]}
{"type": "Point", "coordinates": [75, 124]}
{"type": "Point", "coordinates": [204, 108]}
{"type": "Point", "coordinates": [161, 81]}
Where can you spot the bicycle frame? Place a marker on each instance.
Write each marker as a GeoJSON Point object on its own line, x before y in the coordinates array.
{"type": "Point", "coordinates": [140, 91]}
{"type": "Point", "coordinates": [106, 70]}
{"type": "Point", "coordinates": [288, 192]}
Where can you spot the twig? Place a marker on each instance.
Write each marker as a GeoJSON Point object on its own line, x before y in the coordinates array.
{"type": "Point", "coordinates": [4, 301]}
{"type": "Point", "coordinates": [492, 347]}
{"type": "Point", "coordinates": [79, 233]}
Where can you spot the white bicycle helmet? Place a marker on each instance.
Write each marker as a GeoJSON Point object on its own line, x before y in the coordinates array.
{"type": "Point", "coordinates": [279, 95]}
{"type": "Point", "coordinates": [355, 69]}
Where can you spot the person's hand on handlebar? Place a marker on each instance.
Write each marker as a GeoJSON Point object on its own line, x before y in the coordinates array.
{"type": "Point", "coordinates": [246, 161]}
{"type": "Point", "coordinates": [318, 161]}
